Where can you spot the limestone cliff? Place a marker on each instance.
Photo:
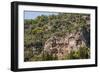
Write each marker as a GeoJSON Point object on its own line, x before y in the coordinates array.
{"type": "Point", "coordinates": [62, 46]}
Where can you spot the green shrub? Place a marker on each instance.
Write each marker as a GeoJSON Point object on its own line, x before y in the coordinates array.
{"type": "Point", "coordinates": [47, 56]}
{"type": "Point", "coordinates": [82, 53]}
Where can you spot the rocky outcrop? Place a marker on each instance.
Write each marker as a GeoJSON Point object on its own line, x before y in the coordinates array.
{"type": "Point", "coordinates": [62, 46]}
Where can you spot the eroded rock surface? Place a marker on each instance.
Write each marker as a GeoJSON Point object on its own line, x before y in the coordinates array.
{"type": "Point", "coordinates": [62, 46]}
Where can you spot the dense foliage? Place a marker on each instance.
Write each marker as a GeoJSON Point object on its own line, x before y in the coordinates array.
{"type": "Point", "coordinates": [39, 30]}
{"type": "Point", "coordinates": [82, 53]}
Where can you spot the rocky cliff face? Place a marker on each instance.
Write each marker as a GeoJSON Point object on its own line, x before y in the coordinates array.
{"type": "Point", "coordinates": [57, 37]}
{"type": "Point", "coordinates": [62, 46]}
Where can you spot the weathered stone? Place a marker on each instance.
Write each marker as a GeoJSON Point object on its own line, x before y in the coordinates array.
{"type": "Point", "coordinates": [61, 46]}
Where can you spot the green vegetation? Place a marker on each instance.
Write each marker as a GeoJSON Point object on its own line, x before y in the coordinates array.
{"type": "Point", "coordinates": [82, 53]}
{"type": "Point", "coordinates": [39, 30]}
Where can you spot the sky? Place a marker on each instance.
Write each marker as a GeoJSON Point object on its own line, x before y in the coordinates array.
{"type": "Point", "coordinates": [34, 14]}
